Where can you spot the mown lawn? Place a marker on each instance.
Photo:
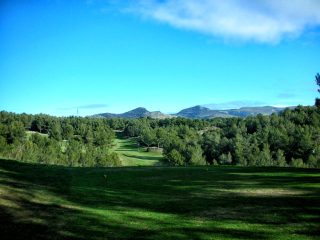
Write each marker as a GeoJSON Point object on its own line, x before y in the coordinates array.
{"type": "Point", "coordinates": [132, 155]}
{"type": "Point", "coordinates": [50, 202]}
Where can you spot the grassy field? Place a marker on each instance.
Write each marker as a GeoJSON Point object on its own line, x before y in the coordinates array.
{"type": "Point", "coordinates": [50, 202]}
{"type": "Point", "coordinates": [131, 155]}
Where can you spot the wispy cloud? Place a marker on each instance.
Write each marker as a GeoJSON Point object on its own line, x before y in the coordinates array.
{"type": "Point", "coordinates": [234, 104]}
{"type": "Point", "coordinates": [93, 106]}
{"type": "Point", "coordinates": [88, 106]}
{"type": "Point", "coordinates": [267, 21]}
{"type": "Point", "coordinates": [286, 95]}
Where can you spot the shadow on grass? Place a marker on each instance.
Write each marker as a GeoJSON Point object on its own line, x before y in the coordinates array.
{"type": "Point", "coordinates": [144, 157]}
{"type": "Point", "coordinates": [157, 203]}
{"type": "Point", "coordinates": [129, 147]}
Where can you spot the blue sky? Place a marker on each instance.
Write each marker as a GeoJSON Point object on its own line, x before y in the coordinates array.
{"type": "Point", "coordinates": [112, 56]}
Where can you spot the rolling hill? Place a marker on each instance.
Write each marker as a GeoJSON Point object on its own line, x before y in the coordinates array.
{"type": "Point", "coordinates": [139, 112]}
{"type": "Point", "coordinates": [204, 112]}
{"type": "Point", "coordinates": [196, 112]}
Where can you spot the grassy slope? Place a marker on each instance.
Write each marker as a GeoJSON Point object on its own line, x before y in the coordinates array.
{"type": "Point", "coordinates": [30, 133]}
{"type": "Point", "coordinates": [131, 155]}
{"type": "Point", "coordinates": [39, 202]}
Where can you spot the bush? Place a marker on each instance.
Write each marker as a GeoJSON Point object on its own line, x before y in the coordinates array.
{"type": "Point", "coordinates": [225, 158]}
{"type": "Point", "coordinates": [197, 156]}
{"type": "Point", "coordinates": [298, 163]}
{"type": "Point", "coordinates": [114, 160]}
{"type": "Point", "coordinates": [280, 159]}
{"type": "Point", "coordinates": [313, 161]}
{"type": "Point", "coordinates": [175, 158]}
{"type": "Point", "coordinates": [104, 159]}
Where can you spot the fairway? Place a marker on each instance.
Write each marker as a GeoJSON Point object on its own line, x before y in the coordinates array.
{"type": "Point", "coordinates": [50, 202]}
{"type": "Point", "coordinates": [131, 155]}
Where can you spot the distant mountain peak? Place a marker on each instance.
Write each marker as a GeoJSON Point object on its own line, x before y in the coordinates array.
{"type": "Point", "coordinates": [196, 108]}
{"type": "Point", "coordinates": [199, 107]}
{"type": "Point", "coordinates": [139, 109]}
{"type": "Point", "coordinates": [196, 112]}
{"type": "Point", "coordinates": [139, 112]}
{"type": "Point", "coordinates": [204, 112]}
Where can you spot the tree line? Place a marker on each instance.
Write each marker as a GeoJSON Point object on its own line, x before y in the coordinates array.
{"type": "Point", "coordinates": [71, 141]}
{"type": "Point", "coordinates": [291, 138]}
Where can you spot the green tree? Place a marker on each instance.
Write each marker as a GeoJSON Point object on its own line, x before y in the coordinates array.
{"type": "Point", "coordinates": [302, 143]}
{"type": "Point", "coordinates": [196, 157]}
{"type": "Point", "coordinates": [211, 145]}
{"type": "Point", "coordinates": [73, 153]}
{"type": "Point", "coordinates": [161, 135]}
{"type": "Point", "coordinates": [264, 158]}
{"type": "Point", "coordinates": [148, 137]}
{"type": "Point", "coordinates": [50, 153]}
{"type": "Point", "coordinates": [225, 158]}
{"type": "Point", "coordinates": [280, 159]}
{"type": "Point", "coordinates": [297, 163]}
{"type": "Point", "coordinates": [88, 136]}
{"type": "Point", "coordinates": [16, 132]}
{"type": "Point", "coordinates": [313, 161]}
{"type": "Point", "coordinates": [252, 152]}
{"type": "Point", "coordinates": [87, 157]}
{"type": "Point", "coordinates": [103, 136]}
{"type": "Point", "coordinates": [67, 131]}
{"type": "Point", "coordinates": [31, 152]}
{"type": "Point", "coordinates": [239, 145]}
{"type": "Point", "coordinates": [55, 131]}
{"type": "Point", "coordinates": [105, 159]}
{"type": "Point", "coordinates": [318, 83]}
{"type": "Point", "coordinates": [3, 145]}
{"type": "Point", "coordinates": [175, 158]}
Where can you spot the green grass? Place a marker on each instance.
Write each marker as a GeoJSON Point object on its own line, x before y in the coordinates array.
{"type": "Point", "coordinates": [131, 155]}
{"type": "Point", "coordinates": [50, 202]}
{"type": "Point", "coordinates": [30, 133]}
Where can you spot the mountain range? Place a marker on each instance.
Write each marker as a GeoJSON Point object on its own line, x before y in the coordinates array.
{"type": "Point", "coordinates": [196, 112]}
{"type": "Point", "coordinates": [139, 112]}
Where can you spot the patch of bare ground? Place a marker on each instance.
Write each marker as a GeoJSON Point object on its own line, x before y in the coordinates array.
{"type": "Point", "coordinates": [266, 192]}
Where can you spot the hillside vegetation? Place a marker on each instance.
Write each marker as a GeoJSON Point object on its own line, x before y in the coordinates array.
{"type": "Point", "coordinates": [50, 202]}
{"type": "Point", "coordinates": [290, 138]}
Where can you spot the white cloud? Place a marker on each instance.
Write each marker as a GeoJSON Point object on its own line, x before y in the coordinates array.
{"type": "Point", "coordinates": [254, 20]}
{"type": "Point", "coordinates": [234, 104]}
